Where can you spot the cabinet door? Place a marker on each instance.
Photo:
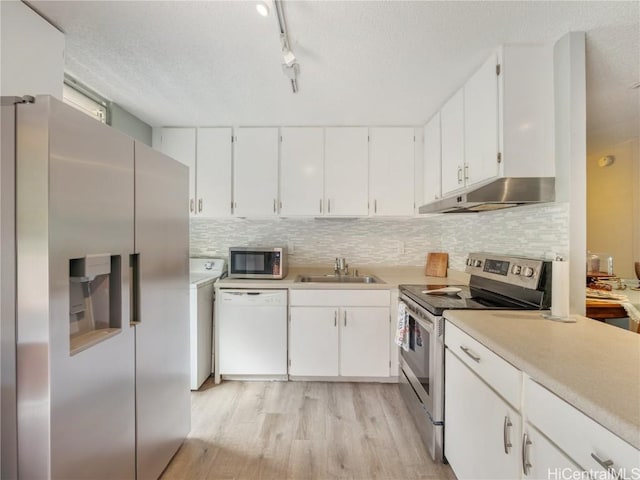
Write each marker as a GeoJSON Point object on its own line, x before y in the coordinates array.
{"type": "Point", "coordinates": [213, 180]}
{"type": "Point", "coordinates": [180, 144]}
{"type": "Point", "coordinates": [432, 187]}
{"type": "Point", "coordinates": [479, 427]}
{"type": "Point", "coordinates": [346, 171]}
{"type": "Point", "coordinates": [255, 179]}
{"type": "Point", "coordinates": [364, 342]}
{"type": "Point", "coordinates": [481, 123]}
{"type": "Point", "coordinates": [313, 341]}
{"type": "Point", "coordinates": [391, 170]}
{"type": "Point", "coordinates": [544, 460]}
{"type": "Point", "coordinates": [301, 171]}
{"type": "Point", "coordinates": [452, 134]}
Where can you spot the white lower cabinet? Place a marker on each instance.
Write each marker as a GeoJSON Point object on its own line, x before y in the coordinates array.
{"type": "Point", "coordinates": [542, 460]}
{"type": "Point", "coordinates": [586, 442]}
{"type": "Point", "coordinates": [501, 425]}
{"type": "Point", "coordinates": [313, 341]}
{"type": "Point", "coordinates": [331, 336]}
{"type": "Point", "coordinates": [482, 432]}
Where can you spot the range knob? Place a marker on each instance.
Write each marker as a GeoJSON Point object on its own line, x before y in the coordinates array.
{"type": "Point", "coordinates": [516, 269]}
{"type": "Point", "coordinates": [469, 262]}
{"type": "Point", "coordinates": [528, 272]}
{"type": "Point", "coordinates": [477, 263]}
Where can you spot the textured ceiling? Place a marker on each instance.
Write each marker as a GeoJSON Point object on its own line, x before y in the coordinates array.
{"type": "Point", "coordinates": [362, 62]}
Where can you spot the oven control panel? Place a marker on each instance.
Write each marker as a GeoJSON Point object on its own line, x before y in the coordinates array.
{"type": "Point", "coordinates": [524, 272]}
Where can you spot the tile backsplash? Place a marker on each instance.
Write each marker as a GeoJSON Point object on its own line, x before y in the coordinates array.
{"type": "Point", "coordinates": [532, 231]}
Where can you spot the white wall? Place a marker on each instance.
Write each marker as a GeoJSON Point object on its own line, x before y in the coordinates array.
{"type": "Point", "coordinates": [612, 204]}
{"type": "Point", "coordinates": [32, 53]}
{"type": "Point", "coordinates": [130, 124]}
{"type": "Point", "coordinates": [571, 145]}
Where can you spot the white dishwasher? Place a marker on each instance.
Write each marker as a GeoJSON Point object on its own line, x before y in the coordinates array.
{"type": "Point", "coordinates": [252, 334]}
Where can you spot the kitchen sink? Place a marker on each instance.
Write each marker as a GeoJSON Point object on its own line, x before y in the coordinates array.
{"type": "Point", "coordinates": [338, 279]}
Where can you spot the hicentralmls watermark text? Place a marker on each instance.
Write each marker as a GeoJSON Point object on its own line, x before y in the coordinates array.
{"type": "Point", "coordinates": [613, 474]}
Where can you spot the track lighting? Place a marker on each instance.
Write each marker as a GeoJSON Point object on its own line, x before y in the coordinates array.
{"type": "Point", "coordinates": [289, 57]}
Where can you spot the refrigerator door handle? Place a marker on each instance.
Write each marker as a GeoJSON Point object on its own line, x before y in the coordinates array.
{"type": "Point", "coordinates": [134, 290]}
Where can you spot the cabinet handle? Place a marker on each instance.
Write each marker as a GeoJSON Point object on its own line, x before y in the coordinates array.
{"type": "Point", "coordinates": [200, 205]}
{"type": "Point", "coordinates": [466, 172]}
{"type": "Point", "coordinates": [526, 464]}
{"type": "Point", "coordinates": [274, 205]}
{"type": "Point", "coordinates": [329, 206]}
{"type": "Point", "coordinates": [191, 205]}
{"type": "Point", "coordinates": [505, 435]}
{"type": "Point", "coordinates": [375, 206]}
{"type": "Point", "coordinates": [345, 318]}
{"type": "Point", "coordinates": [474, 357]}
{"type": "Point", "coordinates": [320, 205]}
{"type": "Point", "coordinates": [459, 175]}
{"type": "Point", "coordinates": [335, 318]}
{"type": "Point", "coordinates": [606, 464]}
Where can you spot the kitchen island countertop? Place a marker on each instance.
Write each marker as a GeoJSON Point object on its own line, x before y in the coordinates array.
{"type": "Point", "coordinates": [593, 366]}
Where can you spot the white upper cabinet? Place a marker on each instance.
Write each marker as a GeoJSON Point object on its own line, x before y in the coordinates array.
{"type": "Point", "coordinates": [481, 124]}
{"type": "Point", "coordinates": [391, 169]}
{"type": "Point", "coordinates": [527, 123]}
{"type": "Point", "coordinates": [346, 171]}
{"type": "Point", "coordinates": [301, 171]}
{"type": "Point", "coordinates": [180, 144]}
{"type": "Point", "coordinates": [213, 172]}
{"type": "Point", "coordinates": [207, 153]}
{"type": "Point", "coordinates": [501, 123]}
{"type": "Point", "coordinates": [452, 135]}
{"type": "Point", "coordinates": [432, 188]}
{"type": "Point", "coordinates": [255, 179]}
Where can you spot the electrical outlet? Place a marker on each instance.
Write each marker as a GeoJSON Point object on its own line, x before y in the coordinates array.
{"type": "Point", "coordinates": [400, 248]}
{"type": "Point", "coordinates": [290, 248]}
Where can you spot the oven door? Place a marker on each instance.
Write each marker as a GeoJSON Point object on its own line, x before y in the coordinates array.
{"type": "Point", "coordinates": [425, 359]}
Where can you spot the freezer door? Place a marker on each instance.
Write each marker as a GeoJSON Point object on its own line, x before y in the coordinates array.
{"type": "Point", "coordinates": [74, 199]}
{"type": "Point", "coordinates": [162, 334]}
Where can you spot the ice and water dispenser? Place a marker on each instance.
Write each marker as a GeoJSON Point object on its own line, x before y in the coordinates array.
{"type": "Point", "coordinates": [94, 300]}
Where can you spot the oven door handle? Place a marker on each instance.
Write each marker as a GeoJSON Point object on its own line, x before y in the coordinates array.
{"type": "Point", "coordinates": [427, 326]}
{"type": "Point", "coordinates": [411, 310]}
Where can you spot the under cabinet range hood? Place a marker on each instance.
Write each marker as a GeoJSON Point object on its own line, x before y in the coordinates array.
{"type": "Point", "coordinates": [500, 193]}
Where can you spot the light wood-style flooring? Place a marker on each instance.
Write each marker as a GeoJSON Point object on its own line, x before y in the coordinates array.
{"type": "Point", "coordinates": [302, 430]}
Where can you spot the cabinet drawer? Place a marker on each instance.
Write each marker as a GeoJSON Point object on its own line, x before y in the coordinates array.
{"type": "Point", "coordinates": [341, 298]}
{"type": "Point", "coordinates": [498, 373]}
{"type": "Point", "coordinates": [577, 434]}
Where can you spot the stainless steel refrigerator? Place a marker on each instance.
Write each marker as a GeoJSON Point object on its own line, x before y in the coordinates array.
{"type": "Point", "coordinates": [95, 298]}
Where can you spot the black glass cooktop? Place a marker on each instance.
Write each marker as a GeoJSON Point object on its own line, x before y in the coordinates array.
{"type": "Point", "coordinates": [466, 299]}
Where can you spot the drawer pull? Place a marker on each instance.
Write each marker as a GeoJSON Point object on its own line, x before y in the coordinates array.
{"type": "Point", "coordinates": [606, 464]}
{"type": "Point", "coordinates": [526, 464]}
{"type": "Point", "coordinates": [505, 435]}
{"type": "Point", "coordinates": [473, 356]}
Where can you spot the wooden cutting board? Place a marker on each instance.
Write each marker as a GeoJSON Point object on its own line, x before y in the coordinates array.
{"type": "Point", "coordinates": [436, 264]}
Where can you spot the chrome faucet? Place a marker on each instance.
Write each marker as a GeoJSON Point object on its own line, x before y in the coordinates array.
{"type": "Point", "coordinates": [341, 267]}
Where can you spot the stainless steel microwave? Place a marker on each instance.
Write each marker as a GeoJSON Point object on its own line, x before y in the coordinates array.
{"type": "Point", "coordinates": [258, 262]}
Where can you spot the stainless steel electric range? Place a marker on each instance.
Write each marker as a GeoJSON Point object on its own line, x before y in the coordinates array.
{"type": "Point", "coordinates": [496, 282]}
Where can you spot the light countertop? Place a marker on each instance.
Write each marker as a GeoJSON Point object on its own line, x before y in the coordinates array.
{"type": "Point", "coordinates": [593, 366]}
{"type": "Point", "coordinates": [391, 276]}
